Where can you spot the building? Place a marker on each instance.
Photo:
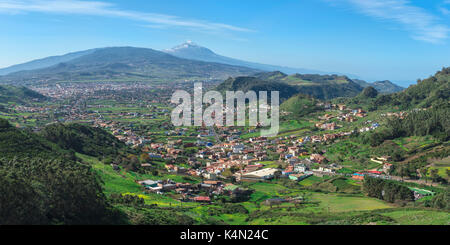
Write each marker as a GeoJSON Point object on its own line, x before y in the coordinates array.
{"type": "Point", "coordinates": [262, 174]}
{"type": "Point", "coordinates": [148, 183]}
{"type": "Point", "coordinates": [202, 199]}
{"type": "Point", "coordinates": [317, 158]}
{"type": "Point", "coordinates": [300, 168]}
{"type": "Point", "coordinates": [299, 177]}
{"type": "Point", "coordinates": [358, 176]}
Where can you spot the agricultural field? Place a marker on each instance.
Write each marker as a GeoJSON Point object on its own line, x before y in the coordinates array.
{"type": "Point", "coordinates": [420, 217]}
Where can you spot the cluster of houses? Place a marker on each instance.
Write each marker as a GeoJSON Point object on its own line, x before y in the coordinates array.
{"type": "Point", "coordinates": [382, 172]}
{"type": "Point", "coordinates": [201, 192]}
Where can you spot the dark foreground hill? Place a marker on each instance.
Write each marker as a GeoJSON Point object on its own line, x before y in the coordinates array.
{"type": "Point", "coordinates": [43, 184]}
{"type": "Point", "coordinates": [25, 144]}
{"type": "Point", "coordinates": [83, 139]}
{"type": "Point", "coordinates": [128, 63]}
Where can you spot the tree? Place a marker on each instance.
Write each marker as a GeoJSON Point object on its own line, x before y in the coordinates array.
{"type": "Point", "coordinates": [423, 173]}
{"type": "Point", "coordinates": [4, 123]}
{"type": "Point", "coordinates": [43, 191]}
{"type": "Point", "coordinates": [145, 157]}
{"type": "Point", "coordinates": [434, 175]}
{"type": "Point", "coordinates": [227, 173]}
{"type": "Point", "coordinates": [403, 171]}
{"type": "Point", "coordinates": [387, 190]}
{"type": "Point", "coordinates": [369, 92]}
{"type": "Point", "coordinates": [441, 200]}
{"type": "Point", "coordinates": [277, 174]}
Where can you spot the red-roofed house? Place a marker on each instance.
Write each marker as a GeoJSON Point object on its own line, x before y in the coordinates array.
{"type": "Point", "coordinates": [202, 199]}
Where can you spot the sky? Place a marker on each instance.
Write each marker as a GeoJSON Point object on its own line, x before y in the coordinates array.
{"type": "Point", "coordinates": [397, 40]}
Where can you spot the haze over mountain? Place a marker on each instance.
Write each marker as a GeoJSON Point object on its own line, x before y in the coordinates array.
{"type": "Point", "coordinates": [125, 64]}
{"type": "Point", "coordinates": [186, 62]}
{"type": "Point", "coordinates": [44, 62]}
{"type": "Point", "coordinates": [190, 50]}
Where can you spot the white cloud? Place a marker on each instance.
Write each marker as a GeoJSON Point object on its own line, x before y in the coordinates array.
{"type": "Point", "coordinates": [97, 8]}
{"type": "Point", "coordinates": [422, 25]}
{"type": "Point", "coordinates": [444, 11]}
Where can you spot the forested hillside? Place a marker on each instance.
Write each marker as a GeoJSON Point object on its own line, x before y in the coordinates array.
{"type": "Point", "coordinates": [43, 184]}
{"type": "Point", "coordinates": [318, 86]}
{"type": "Point", "coordinates": [432, 91]}
{"type": "Point", "coordinates": [18, 143]}
{"type": "Point", "coordinates": [83, 139]}
{"type": "Point", "coordinates": [18, 94]}
{"type": "Point", "coordinates": [255, 84]}
{"type": "Point", "coordinates": [300, 105]}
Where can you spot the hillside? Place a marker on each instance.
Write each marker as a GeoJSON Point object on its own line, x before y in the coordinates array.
{"type": "Point", "coordinates": [252, 83]}
{"type": "Point", "coordinates": [21, 143]}
{"type": "Point", "coordinates": [384, 87]}
{"type": "Point", "coordinates": [318, 86]}
{"type": "Point", "coordinates": [428, 92]}
{"type": "Point", "coordinates": [18, 94]}
{"type": "Point", "coordinates": [44, 62]}
{"type": "Point", "coordinates": [83, 139]}
{"type": "Point", "coordinates": [299, 105]}
{"type": "Point", "coordinates": [43, 184]}
{"type": "Point", "coordinates": [125, 64]}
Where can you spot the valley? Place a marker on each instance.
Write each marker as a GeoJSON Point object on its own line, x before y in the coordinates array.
{"type": "Point", "coordinates": [333, 153]}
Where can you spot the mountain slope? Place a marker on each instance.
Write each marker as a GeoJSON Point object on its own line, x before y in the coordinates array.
{"type": "Point", "coordinates": [190, 50]}
{"type": "Point", "coordinates": [21, 143]}
{"type": "Point", "coordinates": [384, 87]}
{"type": "Point", "coordinates": [432, 91]}
{"type": "Point", "coordinates": [43, 184]}
{"type": "Point", "coordinates": [18, 94]}
{"type": "Point", "coordinates": [129, 63]}
{"type": "Point", "coordinates": [83, 139]}
{"type": "Point", "coordinates": [299, 105]}
{"type": "Point", "coordinates": [318, 86]}
{"type": "Point", "coordinates": [255, 84]}
{"type": "Point", "coordinates": [45, 62]}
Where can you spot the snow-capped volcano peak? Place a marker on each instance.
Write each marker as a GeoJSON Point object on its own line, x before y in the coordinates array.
{"type": "Point", "coordinates": [193, 51]}
{"type": "Point", "coordinates": [187, 44]}
{"type": "Point", "coordinates": [189, 48]}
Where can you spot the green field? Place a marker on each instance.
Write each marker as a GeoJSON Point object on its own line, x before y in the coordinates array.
{"type": "Point", "coordinates": [340, 203]}
{"type": "Point", "coordinates": [420, 217]}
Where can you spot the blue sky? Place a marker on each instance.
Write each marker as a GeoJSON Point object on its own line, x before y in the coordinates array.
{"type": "Point", "coordinates": [398, 40]}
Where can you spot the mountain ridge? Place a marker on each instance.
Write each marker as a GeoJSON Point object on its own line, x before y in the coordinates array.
{"type": "Point", "coordinates": [319, 86]}
{"type": "Point", "coordinates": [384, 87]}
{"type": "Point", "coordinates": [129, 63]}
{"type": "Point", "coordinates": [191, 50]}
{"type": "Point", "coordinates": [44, 62]}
